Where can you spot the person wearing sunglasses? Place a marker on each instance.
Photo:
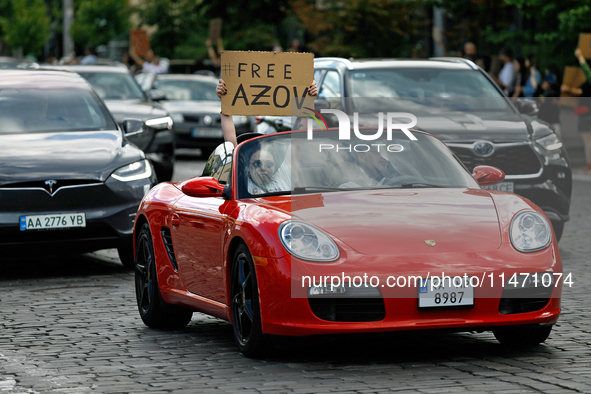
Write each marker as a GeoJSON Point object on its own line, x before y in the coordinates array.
{"type": "Point", "coordinates": [265, 174]}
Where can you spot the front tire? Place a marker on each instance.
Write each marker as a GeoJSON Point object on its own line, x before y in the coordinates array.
{"type": "Point", "coordinates": [522, 336]}
{"type": "Point", "coordinates": [246, 314]}
{"type": "Point", "coordinates": [154, 311]}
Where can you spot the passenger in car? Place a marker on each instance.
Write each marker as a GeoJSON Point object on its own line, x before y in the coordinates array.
{"type": "Point", "coordinates": [377, 170]}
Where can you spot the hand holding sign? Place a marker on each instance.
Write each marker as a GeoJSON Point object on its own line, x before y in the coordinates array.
{"type": "Point", "coordinates": [266, 83]}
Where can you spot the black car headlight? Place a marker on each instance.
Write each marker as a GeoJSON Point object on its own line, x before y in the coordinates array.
{"type": "Point", "coordinates": [550, 142]}
{"type": "Point", "coordinates": [132, 172]}
{"type": "Point", "coordinates": [307, 242]}
{"type": "Point", "coordinates": [530, 231]}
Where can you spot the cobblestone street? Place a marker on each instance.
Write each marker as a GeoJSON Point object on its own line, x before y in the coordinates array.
{"type": "Point", "coordinates": [69, 324]}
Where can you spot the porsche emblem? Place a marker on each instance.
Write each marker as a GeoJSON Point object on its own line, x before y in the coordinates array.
{"type": "Point", "coordinates": [430, 242]}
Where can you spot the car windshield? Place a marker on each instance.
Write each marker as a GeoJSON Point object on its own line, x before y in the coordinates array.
{"type": "Point", "coordinates": [289, 163]}
{"type": "Point", "coordinates": [420, 90]}
{"type": "Point", "coordinates": [187, 89]}
{"type": "Point", "coordinates": [66, 109]}
{"type": "Point", "coordinates": [114, 86]}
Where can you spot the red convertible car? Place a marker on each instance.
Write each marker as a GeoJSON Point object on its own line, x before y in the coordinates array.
{"type": "Point", "coordinates": [294, 234]}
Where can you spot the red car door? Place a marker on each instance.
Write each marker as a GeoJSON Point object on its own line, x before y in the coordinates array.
{"type": "Point", "coordinates": [198, 244]}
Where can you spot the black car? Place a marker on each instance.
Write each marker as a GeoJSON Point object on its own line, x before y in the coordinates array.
{"type": "Point", "coordinates": [194, 107]}
{"type": "Point", "coordinates": [458, 102]}
{"type": "Point", "coordinates": [70, 181]}
{"type": "Point", "coordinates": [126, 100]}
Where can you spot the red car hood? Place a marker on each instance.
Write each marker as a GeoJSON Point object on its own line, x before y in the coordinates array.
{"type": "Point", "coordinates": [395, 222]}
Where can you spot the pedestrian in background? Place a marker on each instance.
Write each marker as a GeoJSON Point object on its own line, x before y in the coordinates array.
{"type": "Point", "coordinates": [90, 57]}
{"type": "Point", "coordinates": [150, 64]}
{"type": "Point", "coordinates": [534, 77]}
{"type": "Point", "coordinates": [506, 77]}
{"type": "Point", "coordinates": [583, 110]}
{"type": "Point", "coordinates": [521, 76]}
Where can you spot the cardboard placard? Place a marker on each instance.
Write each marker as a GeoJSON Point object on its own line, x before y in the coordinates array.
{"type": "Point", "coordinates": [215, 30]}
{"type": "Point", "coordinates": [139, 42]}
{"type": "Point", "coordinates": [585, 44]}
{"type": "Point", "coordinates": [267, 83]}
{"type": "Point", "coordinates": [573, 77]}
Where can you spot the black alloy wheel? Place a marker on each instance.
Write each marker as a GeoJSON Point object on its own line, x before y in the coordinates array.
{"type": "Point", "coordinates": [154, 311]}
{"type": "Point", "coordinates": [246, 316]}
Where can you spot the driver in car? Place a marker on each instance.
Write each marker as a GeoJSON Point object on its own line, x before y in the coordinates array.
{"type": "Point", "coordinates": [376, 169]}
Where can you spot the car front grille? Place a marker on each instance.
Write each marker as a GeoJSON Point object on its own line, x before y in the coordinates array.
{"type": "Point", "coordinates": [523, 300]}
{"type": "Point", "coordinates": [512, 159]}
{"type": "Point", "coordinates": [348, 309]}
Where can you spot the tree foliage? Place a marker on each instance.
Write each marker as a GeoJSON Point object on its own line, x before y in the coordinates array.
{"type": "Point", "coordinates": [99, 21]}
{"type": "Point", "coordinates": [25, 24]}
{"type": "Point", "coordinates": [362, 28]}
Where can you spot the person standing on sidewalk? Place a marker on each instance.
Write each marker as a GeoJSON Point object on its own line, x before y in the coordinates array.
{"type": "Point", "coordinates": [583, 110]}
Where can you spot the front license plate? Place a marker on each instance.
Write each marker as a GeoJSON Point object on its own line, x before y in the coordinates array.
{"type": "Point", "coordinates": [503, 187]}
{"type": "Point", "coordinates": [212, 132]}
{"type": "Point", "coordinates": [52, 221]}
{"type": "Point", "coordinates": [446, 295]}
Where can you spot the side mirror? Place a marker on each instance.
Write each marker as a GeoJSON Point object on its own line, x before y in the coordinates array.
{"type": "Point", "coordinates": [487, 175]}
{"type": "Point", "coordinates": [202, 187]}
{"type": "Point", "coordinates": [156, 95]}
{"type": "Point", "coordinates": [133, 127]}
{"type": "Point", "coordinates": [527, 106]}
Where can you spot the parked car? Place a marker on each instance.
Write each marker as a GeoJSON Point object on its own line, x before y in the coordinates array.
{"type": "Point", "coordinates": [125, 99]}
{"type": "Point", "coordinates": [253, 253]}
{"type": "Point", "coordinates": [70, 180]}
{"type": "Point", "coordinates": [458, 102]}
{"type": "Point", "coordinates": [194, 107]}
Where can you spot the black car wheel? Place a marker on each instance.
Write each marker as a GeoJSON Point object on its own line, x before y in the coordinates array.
{"type": "Point", "coordinates": [154, 311]}
{"type": "Point", "coordinates": [522, 336]}
{"type": "Point", "coordinates": [246, 316]}
{"type": "Point", "coordinates": [558, 229]}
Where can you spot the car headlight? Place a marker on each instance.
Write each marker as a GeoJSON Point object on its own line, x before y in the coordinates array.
{"type": "Point", "coordinates": [177, 117]}
{"type": "Point", "coordinates": [550, 142]}
{"type": "Point", "coordinates": [132, 172]}
{"type": "Point", "coordinates": [307, 242]}
{"type": "Point", "coordinates": [160, 123]}
{"type": "Point", "coordinates": [240, 120]}
{"type": "Point", "coordinates": [530, 231]}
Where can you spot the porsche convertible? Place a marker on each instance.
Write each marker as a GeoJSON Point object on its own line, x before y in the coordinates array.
{"type": "Point", "coordinates": [294, 234]}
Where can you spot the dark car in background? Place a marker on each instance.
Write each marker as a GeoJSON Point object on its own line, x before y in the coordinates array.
{"type": "Point", "coordinates": [70, 179]}
{"type": "Point", "coordinates": [194, 107]}
{"type": "Point", "coordinates": [125, 99]}
{"type": "Point", "coordinates": [458, 102]}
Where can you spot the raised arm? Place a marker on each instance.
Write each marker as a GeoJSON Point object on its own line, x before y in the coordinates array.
{"type": "Point", "coordinates": [227, 122]}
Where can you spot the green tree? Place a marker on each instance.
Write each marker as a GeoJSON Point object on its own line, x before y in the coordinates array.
{"type": "Point", "coordinates": [180, 23]}
{"type": "Point", "coordinates": [25, 25]}
{"type": "Point", "coordinates": [99, 21]}
{"type": "Point", "coordinates": [363, 28]}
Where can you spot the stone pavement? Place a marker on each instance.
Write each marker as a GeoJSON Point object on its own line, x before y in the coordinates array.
{"type": "Point", "coordinates": [69, 324]}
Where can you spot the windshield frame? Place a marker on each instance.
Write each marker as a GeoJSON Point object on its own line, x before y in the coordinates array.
{"type": "Point", "coordinates": [239, 183]}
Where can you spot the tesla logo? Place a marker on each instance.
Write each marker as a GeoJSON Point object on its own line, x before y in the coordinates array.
{"type": "Point", "coordinates": [50, 183]}
{"type": "Point", "coordinates": [483, 148]}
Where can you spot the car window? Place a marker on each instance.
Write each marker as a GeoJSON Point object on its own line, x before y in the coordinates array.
{"type": "Point", "coordinates": [114, 86]}
{"type": "Point", "coordinates": [291, 163]}
{"type": "Point", "coordinates": [183, 89]}
{"type": "Point", "coordinates": [331, 85]}
{"type": "Point", "coordinates": [420, 89]}
{"type": "Point", "coordinates": [24, 110]}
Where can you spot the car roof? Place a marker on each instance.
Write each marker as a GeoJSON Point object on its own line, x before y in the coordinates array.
{"type": "Point", "coordinates": [452, 63]}
{"type": "Point", "coordinates": [88, 68]}
{"type": "Point", "coordinates": [188, 77]}
{"type": "Point", "coordinates": [42, 78]}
